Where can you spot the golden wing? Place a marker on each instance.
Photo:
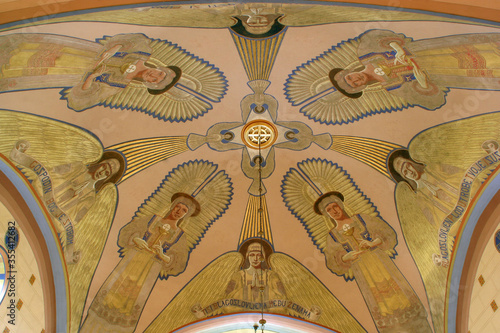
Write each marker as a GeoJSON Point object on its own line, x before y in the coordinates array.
{"type": "Point", "coordinates": [309, 86]}
{"type": "Point", "coordinates": [205, 288]}
{"type": "Point", "coordinates": [336, 108]}
{"type": "Point", "coordinates": [313, 177]}
{"type": "Point", "coordinates": [213, 190]}
{"type": "Point", "coordinates": [201, 84]}
{"type": "Point", "coordinates": [421, 239]}
{"type": "Point", "coordinates": [457, 143]}
{"type": "Point", "coordinates": [304, 289]}
{"type": "Point", "coordinates": [311, 78]}
{"type": "Point", "coordinates": [90, 237]}
{"type": "Point", "coordinates": [44, 136]}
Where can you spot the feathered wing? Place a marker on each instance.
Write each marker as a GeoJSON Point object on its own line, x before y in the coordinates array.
{"type": "Point", "coordinates": [299, 195]}
{"type": "Point", "coordinates": [311, 78]}
{"type": "Point", "coordinates": [309, 86]}
{"type": "Point", "coordinates": [205, 288]}
{"type": "Point", "coordinates": [44, 136]}
{"type": "Point", "coordinates": [90, 237]}
{"type": "Point", "coordinates": [214, 200]}
{"type": "Point", "coordinates": [201, 84]}
{"type": "Point", "coordinates": [295, 192]}
{"type": "Point", "coordinates": [422, 241]}
{"type": "Point", "coordinates": [304, 289]}
{"type": "Point", "coordinates": [213, 197]}
{"type": "Point", "coordinates": [450, 161]}
{"type": "Point", "coordinates": [456, 145]}
{"type": "Point", "coordinates": [336, 108]}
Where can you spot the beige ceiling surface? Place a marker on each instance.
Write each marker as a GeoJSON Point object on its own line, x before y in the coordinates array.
{"type": "Point", "coordinates": [188, 139]}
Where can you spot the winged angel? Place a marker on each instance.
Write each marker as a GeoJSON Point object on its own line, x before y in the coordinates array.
{"type": "Point", "coordinates": [127, 71]}
{"type": "Point", "coordinates": [157, 243]}
{"type": "Point", "coordinates": [356, 242]}
{"type": "Point", "coordinates": [383, 71]}
{"type": "Point", "coordinates": [289, 288]}
{"type": "Point", "coordinates": [72, 164]}
{"type": "Point", "coordinates": [436, 178]}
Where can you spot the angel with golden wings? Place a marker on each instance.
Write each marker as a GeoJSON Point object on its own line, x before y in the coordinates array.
{"type": "Point", "coordinates": [129, 71]}
{"type": "Point", "coordinates": [255, 282]}
{"type": "Point", "coordinates": [153, 244]}
{"type": "Point", "coordinates": [436, 181]}
{"type": "Point", "coordinates": [356, 242]}
{"type": "Point", "coordinates": [157, 242]}
{"type": "Point", "coordinates": [383, 71]}
{"type": "Point", "coordinates": [437, 176]}
{"type": "Point", "coordinates": [72, 187]}
{"type": "Point", "coordinates": [75, 180]}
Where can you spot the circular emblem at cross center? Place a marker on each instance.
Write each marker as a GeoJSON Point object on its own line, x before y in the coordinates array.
{"type": "Point", "coordinates": [258, 132]}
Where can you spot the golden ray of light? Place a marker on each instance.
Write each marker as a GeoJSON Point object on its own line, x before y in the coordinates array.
{"type": "Point", "coordinates": [252, 223]}
{"type": "Point", "coordinates": [258, 55]}
{"type": "Point", "coordinates": [372, 152]}
{"type": "Point", "coordinates": [143, 153]}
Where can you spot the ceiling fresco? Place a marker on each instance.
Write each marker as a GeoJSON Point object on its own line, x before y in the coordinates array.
{"type": "Point", "coordinates": [307, 162]}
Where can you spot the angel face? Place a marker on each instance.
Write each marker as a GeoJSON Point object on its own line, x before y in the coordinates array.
{"type": "Point", "coordinates": [257, 20]}
{"type": "Point", "coordinates": [106, 168]}
{"type": "Point", "coordinates": [356, 79]}
{"type": "Point", "coordinates": [406, 169]}
{"type": "Point", "coordinates": [156, 75]}
{"type": "Point", "coordinates": [258, 24]}
{"type": "Point", "coordinates": [335, 211]}
{"type": "Point", "coordinates": [178, 212]}
{"type": "Point", "coordinates": [255, 258]}
{"type": "Point", "coordinates": [103, 171]}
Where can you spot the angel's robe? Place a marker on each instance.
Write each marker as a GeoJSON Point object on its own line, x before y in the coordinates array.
{"type": "Point", "coordinates": [33, 61]}
{"type": "Point", "coordinates": [459, 61]}
{"type": "Point", "coordinates": [435, 196]}
{"type": "Point", "coordinates": [75, 191]}
{"type": "Point", "coordinates": [120, 301]}
{"type": "Point", "coordinates": [393, 304]}
{"type": "Point", "coordinates": [246, 285]}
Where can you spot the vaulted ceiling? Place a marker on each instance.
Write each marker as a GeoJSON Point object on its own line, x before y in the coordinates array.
{"type": "Point", "coordinates": [198, 166]}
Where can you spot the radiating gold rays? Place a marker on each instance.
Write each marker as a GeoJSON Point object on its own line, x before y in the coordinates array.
{"type": "Point", "coordinates": [258, 55]}
{"type": "Point", "coordinates": [143, 153]}
{"type": "Point", "coordinates": [253, 223]}
{"type": "Point", "coordinates": [372, 152]}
